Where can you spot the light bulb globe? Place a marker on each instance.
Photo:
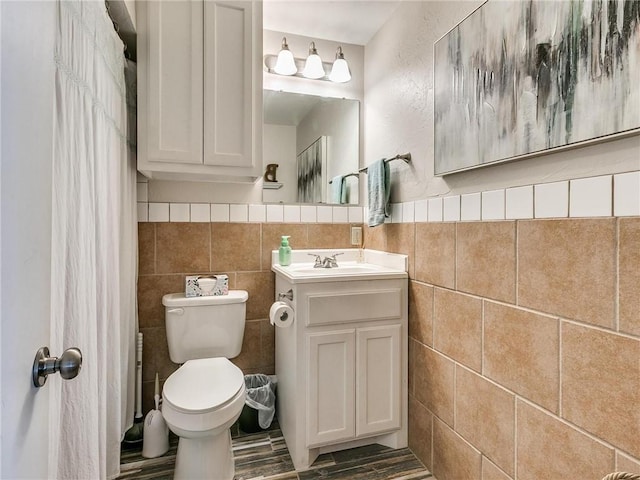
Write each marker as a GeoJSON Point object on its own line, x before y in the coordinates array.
{"type": "Point", "coordinates": [313, 67]}
{"type": "Point", "coordinates": [340, 71]}
{"type": "Point", "coordinates": [285, 65]}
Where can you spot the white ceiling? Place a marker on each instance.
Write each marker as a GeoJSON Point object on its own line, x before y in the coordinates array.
{"type": "Point", "coordinates": [346, 21]}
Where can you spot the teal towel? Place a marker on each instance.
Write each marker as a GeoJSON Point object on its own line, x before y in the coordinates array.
{"type": "Point", "coordinates": [344, 198]}
{"type": "Point", "coordinates": [378, 189]}
{"type": "Point", "coordinates": [338, 189]}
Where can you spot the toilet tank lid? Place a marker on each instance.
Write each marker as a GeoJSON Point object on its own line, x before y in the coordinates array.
{"type": "Point", "coordinates": [179, 299]}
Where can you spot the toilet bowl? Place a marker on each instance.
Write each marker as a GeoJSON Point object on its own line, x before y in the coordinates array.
{"type": "Point", "coordinates": [202, 399]}
{"type": "Point", "coordinates": [205, 396]}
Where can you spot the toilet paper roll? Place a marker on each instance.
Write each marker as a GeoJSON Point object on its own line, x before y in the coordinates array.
{"type": "Point", "coordinates": [281, 314]}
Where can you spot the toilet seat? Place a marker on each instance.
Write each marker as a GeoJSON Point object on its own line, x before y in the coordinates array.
{"type": "Point", "coordinates": [203, 386]}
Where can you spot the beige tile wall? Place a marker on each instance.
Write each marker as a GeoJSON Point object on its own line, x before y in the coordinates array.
{"type": "Point", "coordinates": [524, 348]}
{"type": "Point", "coordinates": [169, 251]}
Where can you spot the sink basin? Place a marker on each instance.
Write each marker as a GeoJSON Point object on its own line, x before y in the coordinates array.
{"type": "Point", "coordinates": [305, 272]}
{"type": "Point", "coordinates": [341, 269]}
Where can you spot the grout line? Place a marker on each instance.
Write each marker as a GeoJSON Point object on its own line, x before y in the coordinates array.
{"type": "Point", "coordinates": [568, 424]}
{"type": "Point", "coordinates": [600, 328]}
{"type": "Point", "coordinates": [210, 247]}
{"type": "Point", "coordinates": [455, 256]}
{"type": "Point", "coordinates": [433, 322]}
{"type": "Point", "coordinates": [155, 248]}
{"type": "Point", "coordinates": [515, 438]}
{"type": "Point", "coordinates": [560, 365]}
{"type": "Point", "coordinates": [517, 258]}
{"type": "Point", "coordinates": [616, 298]}
{"type": "Point", "coordinates": [487, 379]}
{"type": "Point", "coordinates": [261, 246]}
{"type": "Point", "coordinates": [433, 426]}
{"type": "Point", "coordinates": [455, 395]}
{"type": "Point", "coordinates": [482, 372]}
{"type": "Point", "coordinates": [612, 205]}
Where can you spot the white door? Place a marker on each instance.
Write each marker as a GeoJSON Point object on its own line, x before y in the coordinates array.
{"type": "Point", "coordinates": [26, 103]}
{"type": "Point", "coordinates": [378, 379]}
{"type": "Point", "coordinates": [330, 387]}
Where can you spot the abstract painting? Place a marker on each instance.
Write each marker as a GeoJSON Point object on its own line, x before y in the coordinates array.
{"type": "Point", "coordinates": [312, 165]}
{"type": "Point", "coordinates": [522, 77]}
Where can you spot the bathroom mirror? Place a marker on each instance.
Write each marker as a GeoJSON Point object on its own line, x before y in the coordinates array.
{"type": "Point", "coordinates": [313, 140]}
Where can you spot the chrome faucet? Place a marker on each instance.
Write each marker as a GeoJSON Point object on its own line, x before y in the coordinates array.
{"type": "Point", "coordinates": [326, 262]}
{"type": "Point", "coordinates": [318, 262]}
{"type": "Point", "coordinates": [330, 261]}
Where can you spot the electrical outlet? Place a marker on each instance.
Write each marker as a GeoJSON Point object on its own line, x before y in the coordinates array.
{"type": "Point", "coordinates": [356, 236]}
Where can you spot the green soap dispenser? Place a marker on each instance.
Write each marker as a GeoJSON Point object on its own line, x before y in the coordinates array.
{"type": "Point", "coordinates": [284, 253]}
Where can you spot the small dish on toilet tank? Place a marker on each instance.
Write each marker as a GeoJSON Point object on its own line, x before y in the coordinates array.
{"type": "Point", "coordinates": [206, 285]}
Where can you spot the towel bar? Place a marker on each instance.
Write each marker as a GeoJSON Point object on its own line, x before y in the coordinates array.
{"type": "Point", "coordinates": [406, 158]}
{"type": "Point", "coordinates": [354, 174]}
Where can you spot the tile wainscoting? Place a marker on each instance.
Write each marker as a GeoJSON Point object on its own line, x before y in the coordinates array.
{"type": "Point", "coordinates": [524, 328]}
{"type": "Point", "coordinates": [169, 251]}
{"type": "Point", "coordinates": [524, 346]}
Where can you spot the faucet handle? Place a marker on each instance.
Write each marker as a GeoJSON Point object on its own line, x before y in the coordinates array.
{"type": "Point", "coordinates": [318, 262]}
{"type": "Point", "coordinates": [331, 260]}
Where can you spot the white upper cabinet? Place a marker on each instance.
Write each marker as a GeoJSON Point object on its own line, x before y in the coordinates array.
{"type": "Point", "coordinates": [200, 90]}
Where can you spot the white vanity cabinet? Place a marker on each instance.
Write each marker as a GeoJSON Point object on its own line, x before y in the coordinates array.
{"type": "Point", "coordinates": [200, 89]}
{"type": "Point", "coordinates": [353, 386]}
{"type": "Point", "coordinates": [342, 364]}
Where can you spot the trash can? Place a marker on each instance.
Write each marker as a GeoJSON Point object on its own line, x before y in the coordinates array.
{"type": "Point", "coordinates": [260, 404]}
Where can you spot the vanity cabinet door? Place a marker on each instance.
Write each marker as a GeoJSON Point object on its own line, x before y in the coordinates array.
{"type": "Point", "coordinates": [330, 387]}
{"type": "Point", "coordinates": [378, 380]}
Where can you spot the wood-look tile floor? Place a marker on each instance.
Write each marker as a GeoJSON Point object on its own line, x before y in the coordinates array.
{"type": "Point", "coordinates": [264, 456]}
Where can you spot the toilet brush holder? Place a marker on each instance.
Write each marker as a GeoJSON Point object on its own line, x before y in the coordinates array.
{"type": "Point", "coordinates": [156, 435]}
{"type": "Point", "coordinates": [156, 432]}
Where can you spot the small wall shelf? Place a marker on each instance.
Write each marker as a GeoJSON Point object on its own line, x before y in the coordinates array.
{"type": "Point", "coordinates": [271, 185]}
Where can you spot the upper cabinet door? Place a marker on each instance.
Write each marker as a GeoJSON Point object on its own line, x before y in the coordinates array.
{"type": "Point", "coordinates": [229, 83]}
{"type": "Point", "coordinates": [173, 38]}
{"type": "Point", "coordinates": [200, 90]}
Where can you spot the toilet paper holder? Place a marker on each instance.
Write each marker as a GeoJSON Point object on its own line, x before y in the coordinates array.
{"type": "Point", "coordinates": [288, 294]}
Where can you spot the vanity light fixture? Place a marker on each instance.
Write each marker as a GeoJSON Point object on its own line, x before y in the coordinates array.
{"type": "Point", "coordinates": [285, 65]}
{"type": "Point", "coordinates": [313, 66]}
{"type": "Point", "coordinates": [340, 71]}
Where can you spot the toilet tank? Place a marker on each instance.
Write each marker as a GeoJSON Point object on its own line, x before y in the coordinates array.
{"type": "Point", "coordinates": [205, 327]}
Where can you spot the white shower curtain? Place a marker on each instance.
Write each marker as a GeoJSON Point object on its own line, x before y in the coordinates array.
{"type": "Point", "coordinates": [94, 245]}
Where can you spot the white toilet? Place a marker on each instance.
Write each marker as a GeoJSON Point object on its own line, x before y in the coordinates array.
{"type": "Point", "coordinates": [205, 396]}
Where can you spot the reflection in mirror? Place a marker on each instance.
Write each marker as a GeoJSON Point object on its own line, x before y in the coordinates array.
{"type": "Point", "coordinates": [315, 143]}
